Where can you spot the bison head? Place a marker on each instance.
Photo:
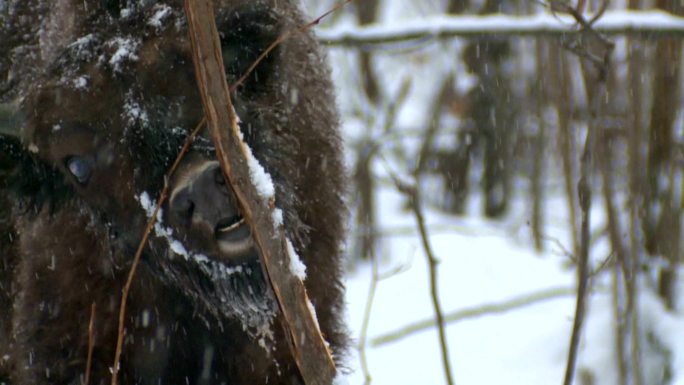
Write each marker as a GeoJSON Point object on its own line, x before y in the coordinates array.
{"type": "Point", "coordinates": [103, 124]}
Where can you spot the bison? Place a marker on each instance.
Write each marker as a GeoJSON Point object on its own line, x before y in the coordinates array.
{"type": "Point", "coordinates": [104, 103]}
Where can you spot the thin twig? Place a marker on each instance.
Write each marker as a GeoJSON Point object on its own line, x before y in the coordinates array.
{"type": "Point", "coordinates": [91, 343]}
{"type": "Point", "coordinates": [413, 194]}
{"type": "Point", "coordinates": [584, 193]}
{"type": "Point", "coordinates": [376, 278]}
{"type": "Point", "coordinates": [595, 90]}
{"type": "Point", "coordinates": [363, 338]}
{"type": "Point", "coordinates": [473, 312]}
{"type": "Point", "coordinates": [621, 330]}
{"type": "Point", "coordinates": [141, 247]}
{"type": "Point", "coordinates": [578, 46]}
{"type": "Point", "coordinates": [432, 264]}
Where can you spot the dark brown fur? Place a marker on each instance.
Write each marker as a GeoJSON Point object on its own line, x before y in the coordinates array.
{"type": "Point", "coordinates": [74, 242]}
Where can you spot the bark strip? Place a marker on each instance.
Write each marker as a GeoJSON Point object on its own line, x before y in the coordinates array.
{"type": "Point", "coordinates": [307, 345]}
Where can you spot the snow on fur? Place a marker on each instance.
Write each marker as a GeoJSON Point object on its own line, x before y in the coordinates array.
{"type": "Point", "coordinates": [125, 51]}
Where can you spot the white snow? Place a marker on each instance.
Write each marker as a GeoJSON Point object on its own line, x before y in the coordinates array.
{"type": "Point", "coordinates": [80, 83]}
{"type": "Point", "coordinates": [126, 12]}
{"type": "Point", "coordinates": [277, 217]}
{"type": "Point", "coordinates": [160, 231]}
{"type": "Point", "coordinates": [146, 203]}
{"type": "Point", "coordinates": [261, 179]}
{"type": "Point", "coordinates": [481, 262]}
{"type": "Point", "coordinates": [82, 46]}
{"type": "Point", "coordinates": [312, 310]}
{"type": "Point", "coordinates": [440, 25]}
{"type": "Point", "coordinates": [83, 41]}
{"type": "Point", "coordinates": [511, 348]}
{"type": "Point", "coordinates": [125, 51]}
{"type": "Point", "coordinates": [340, 379]}
{"type": "Point", "coordinates": [177, 247]}
{"type": "Point", "coordinates": [134, 113]}
{"type": "Point", "coordinates": [161, 11]}
{"type": "Point", "coordinates": [297, 267]}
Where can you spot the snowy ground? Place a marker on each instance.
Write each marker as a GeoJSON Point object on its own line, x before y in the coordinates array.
{"type": "Point", "coordinates": [482, 263]}
{"type": "Point", "coordinates": [482, 266]}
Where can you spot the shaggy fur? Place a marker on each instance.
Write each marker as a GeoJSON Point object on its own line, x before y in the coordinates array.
{"type": "Point", "coordinates": [118, 89]}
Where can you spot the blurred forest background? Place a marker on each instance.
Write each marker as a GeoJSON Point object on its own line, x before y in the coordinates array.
{"type": "Point", "coordinates": [479, 123]}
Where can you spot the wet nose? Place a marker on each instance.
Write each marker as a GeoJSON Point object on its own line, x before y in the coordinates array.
{"type": "Point", "coordinates": [203, 199]}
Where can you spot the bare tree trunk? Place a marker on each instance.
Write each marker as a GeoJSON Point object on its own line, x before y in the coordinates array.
{"type": "Point", "coordinates": [364, 181]}
{"type": "Point", "coordinates": [366, 241]}
{"type": "Point", "coordinates": [637, 69]}
{"type": "Point", "coordinates": [454, 167]}
{"type": "Point", "coordinates": [623, 276]}
{"type": "Point", "coordinates": [662, 221]}
{"type": "Point", "coordinates": [457, 6]}
{"type": "Point", "coordinates": [562, 95]}
{"type": "Point", "coordinates": [539, 145]}
{"type": "Point", "coordinates": [366, 13]}
{"type": "Point", "coordinates": [492, 115]}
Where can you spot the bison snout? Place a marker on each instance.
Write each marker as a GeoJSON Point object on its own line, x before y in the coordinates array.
{"type": "Point", "coordinates": [204, 210]}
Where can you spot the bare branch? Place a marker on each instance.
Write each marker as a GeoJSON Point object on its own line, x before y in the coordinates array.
{"type": "Point", "coordinates": [307, 346]}
{"type": "Point", "coordinates": [91, 344]}
{"type": "Point", "coordinates": [363, 338]}
{"type": "Point", "coordinates": [634, 23]}
{"type": "Point", "coordinates": [584, 193]}
{"type": "Point", "coordinates": [595, 89]}
{"type": "Point", "coordinates": [129, 282]}
{"type": "Point", "coordinates": [141, 247]}
{"type": "Point", "coordinates": [413, 194]}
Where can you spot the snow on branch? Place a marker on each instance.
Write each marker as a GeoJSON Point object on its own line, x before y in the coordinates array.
{"type": "Point", "coordinates": [653, 23]}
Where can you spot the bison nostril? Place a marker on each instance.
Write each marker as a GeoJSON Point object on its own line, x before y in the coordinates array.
{"type": "Point", "coordinates": [189, 209]}
{"type": "Point", "coordinates": [218, 177]}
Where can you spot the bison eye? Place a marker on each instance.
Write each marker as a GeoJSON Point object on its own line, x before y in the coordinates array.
{"type": "Point", "coordinates": [80, 168]}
